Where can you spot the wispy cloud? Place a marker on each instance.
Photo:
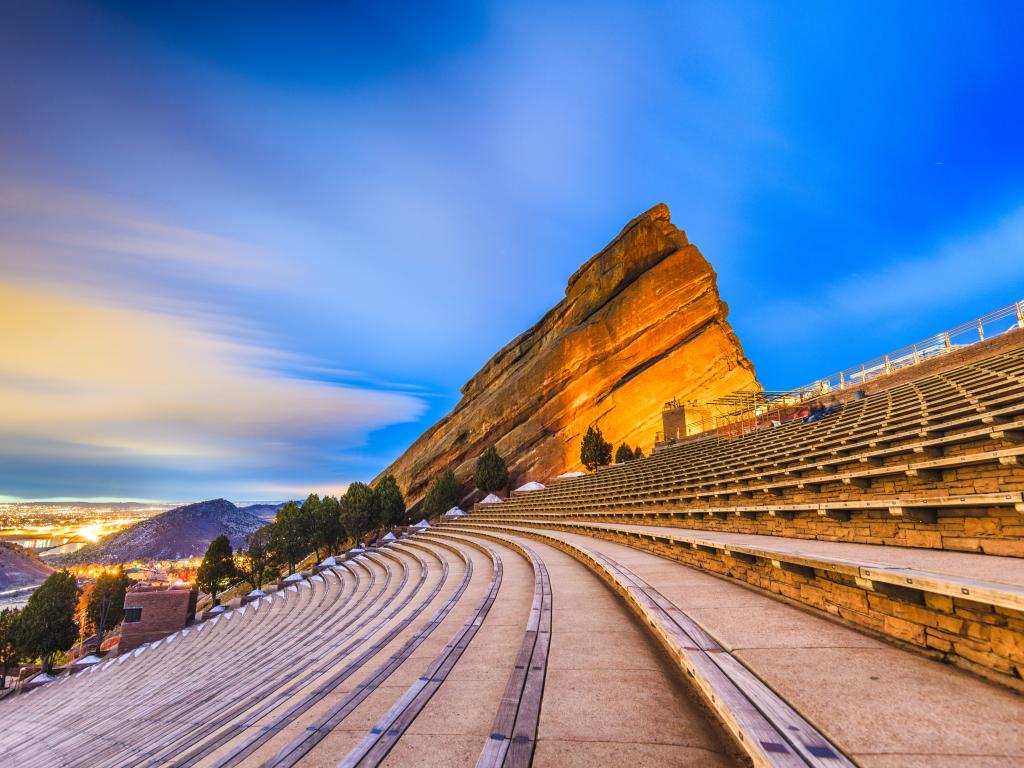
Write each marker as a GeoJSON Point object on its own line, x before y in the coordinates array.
{"type": "Point", "coordinates": [86, 381]}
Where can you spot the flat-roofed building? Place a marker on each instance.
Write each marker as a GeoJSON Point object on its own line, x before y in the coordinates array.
{"type": "Point", "coordinates": [154, 612]}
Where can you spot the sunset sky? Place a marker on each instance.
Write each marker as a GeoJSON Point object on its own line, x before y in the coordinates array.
{"type": "Point", "coordinates": [253, 253]}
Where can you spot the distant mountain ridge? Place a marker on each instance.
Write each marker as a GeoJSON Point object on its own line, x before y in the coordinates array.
{"type": "Point", "coordinates": [178, 533]}
{"type": "Point", "coordinates": [20, 568]}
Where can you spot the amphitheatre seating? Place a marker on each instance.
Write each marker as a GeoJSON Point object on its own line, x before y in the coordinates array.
{"type": "Point", "coordinates": [933, 462]}
{"type": "Point", "coordinates": [499, 644]}
{"type": "Point", "coordinates": [723, 602]}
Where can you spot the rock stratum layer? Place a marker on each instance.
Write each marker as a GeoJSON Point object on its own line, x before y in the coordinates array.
{"type": "Point", "coordinates": [640, 324]}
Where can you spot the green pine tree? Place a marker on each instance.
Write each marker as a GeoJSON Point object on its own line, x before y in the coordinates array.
{"type": "Point", "coordinates": [623, 453]}
{"type": "Point", "coordinates": [9, 655]}
{"type": "Point", "coordinates": [359, 511]}
{"type": "Point", "coordinates": [443, 494]}
{"type": "Point", "coordinates": [390, 502]}
{"type": "Point", "coordinates": [491, 472]}
{"type": "Point", "coordinates": [47, 623]}
{"type": "Point", "coordinates": [105, 606]}
{"type": "Point", "coordinates": [289, 535]}
{"type": "Point", "coordinates": [595, 451]}
{"type": "Point", "coordinates": [311, 520]}
{"type": "Point", "coordinates": [256, 562]}
{"type": "Point", "coordinates": [329, 530]}
{"type": "Point", "coordinates": [217, 569]}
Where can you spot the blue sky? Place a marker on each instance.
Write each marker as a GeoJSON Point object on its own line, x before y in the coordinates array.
{"type": "Point", "coordinates": [250, 252]}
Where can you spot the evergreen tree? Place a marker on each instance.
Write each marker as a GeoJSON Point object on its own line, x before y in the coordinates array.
{"type": "Point", "coordinates": [491, 471]}
{"type": "Point", "coordinates": [330, 531]}
{"type": "Point", "coordinates": [256, 561]}
{"type": "Point", "coordinates": [637, 453]}
{"type": "Point", "coordinates": [359, 511]}
{"type": "Point", "coordinates": [288, 535]}
{"type": "Point", "coordinates": [595, 451]}
{"type": "Point", "coordinates": [310, 515]}
{"type": "Point", "coordinates": [390, 502]}
{"type": "Point", "coordinates": [443, 494]}
{"type": "Point", "coordinates": [9, 655]}
{"type": "Point", "coordinates": [623, 453]}
{"type": "Point", "coordinates": [217, 569]}
{"type": "Point", "coordinates": [105, 607]}
{"type": "Point", "coordinates": [47, 624]}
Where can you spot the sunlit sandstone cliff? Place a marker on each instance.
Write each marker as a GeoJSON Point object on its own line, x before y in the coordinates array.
{"type": "Point", "coordinates": [641, 323]}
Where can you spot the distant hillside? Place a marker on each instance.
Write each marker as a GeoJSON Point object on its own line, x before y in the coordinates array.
{"type": "Point", "coordinates": [20, 568]}
{"type": "Point", "coordinates": [178, 533]}
{"type": "Point", "coordinates": [264, 511]}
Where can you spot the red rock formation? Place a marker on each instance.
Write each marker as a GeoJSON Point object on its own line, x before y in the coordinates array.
{"type": "Point", "coordinates": [641, 323]}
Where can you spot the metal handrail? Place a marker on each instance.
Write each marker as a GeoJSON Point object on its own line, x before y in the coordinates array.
{"type": "Point", "coordinates": [963, 335]}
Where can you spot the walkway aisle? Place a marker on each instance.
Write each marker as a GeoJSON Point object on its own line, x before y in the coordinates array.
{"type": "Point", "coordinates": [610, 698]}
{"type": "Point", "coordinates": [456, 723]}
{"type": "Point", "coordinates": [887, 707]}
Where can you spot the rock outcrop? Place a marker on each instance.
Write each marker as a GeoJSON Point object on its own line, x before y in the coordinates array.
{"type": "Point", "coordinates": [640, 324]}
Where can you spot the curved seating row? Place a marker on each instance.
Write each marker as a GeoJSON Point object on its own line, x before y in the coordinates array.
{"type": "Point", "coordinates": [502, 644]}
{"type": "Point", "coordinates": [793, 688]}
{"type": "Point", "coordinates": [933, 463]}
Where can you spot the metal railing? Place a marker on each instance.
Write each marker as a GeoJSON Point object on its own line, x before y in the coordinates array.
{"type": "Point", "coordinates": [988, 326]}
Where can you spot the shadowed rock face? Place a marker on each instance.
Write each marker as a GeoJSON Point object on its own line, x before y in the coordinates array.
{"type": "Point", "coordinates": [641, 323]}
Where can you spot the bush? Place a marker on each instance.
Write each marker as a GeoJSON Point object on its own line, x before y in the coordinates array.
{"type": "Point", "coordinates": [595, 451]}
{"type": "Point", "coordinates": [491, 471]}
{"type": "Point", "coordinates": [444, 493]}
{"type": "Point", "coordinates": [623, 453]}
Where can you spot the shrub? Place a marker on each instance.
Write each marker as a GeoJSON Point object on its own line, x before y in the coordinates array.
{"type": "Point", "coordinates": [623, 453]}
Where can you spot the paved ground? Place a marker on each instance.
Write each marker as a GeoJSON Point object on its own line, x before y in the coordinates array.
{"type": "Point", "coordinates": [609, 697]}
{"type": "Point", "coordinates": [885, 706]}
